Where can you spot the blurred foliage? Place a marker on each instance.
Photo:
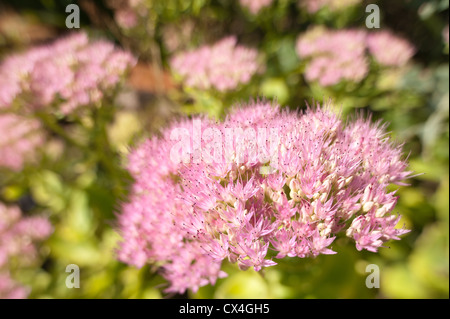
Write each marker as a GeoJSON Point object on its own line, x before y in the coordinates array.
{"type": "Point", "coordinates": [80, 184]}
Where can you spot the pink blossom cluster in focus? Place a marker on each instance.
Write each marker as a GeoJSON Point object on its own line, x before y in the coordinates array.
{"type": "Point", "coordinates": [221, 66]}
{"type": "Point", "coordinates": [71, 72]}
{"type": "Point", "coordinates": [331, 177]}
{"type": "Point", "coordinates": [147, 223]}
{"type": "Point", "coordinates": [18, 236]}
{"type": "Point", "coordinates": [21, 138]}
{"type": "Point", "coordinates": [313, 6]}
{"type": "Point", "coordinates": [254, 6]}
{"type": "Point", "coordinates": [343, 55]}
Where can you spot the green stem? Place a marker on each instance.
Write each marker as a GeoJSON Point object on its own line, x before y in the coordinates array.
{"type": "Point", "coordinates": [53, 126]}
{"type": "Point", "coordinates": [105, 153]}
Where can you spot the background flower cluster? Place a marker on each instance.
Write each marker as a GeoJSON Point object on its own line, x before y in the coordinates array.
{"type": "Point", "coordinates": [86, 178]}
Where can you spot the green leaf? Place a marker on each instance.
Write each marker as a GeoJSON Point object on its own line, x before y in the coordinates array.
{"type": "Point", "coordinates": [275, 88]}
{"type": "Point", "coordinates": [48, 190]}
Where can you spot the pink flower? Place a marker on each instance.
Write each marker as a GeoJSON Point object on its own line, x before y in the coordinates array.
{"type": "Point", "coordinates": [342, 55]}
{"type": "Point", "coordinates": [20, 141]}
{"type": "Point", "coordinates": [334, 55]}
{"type": "Point", "coordinates": [67, 74]}
{"type": "Point", "coordinates": [222, 66]}
{"type": "Point", "coordinates": [126, 18]}
{"type": "Point", "coordinates": [18, 236]}
{"type": "Point", "coordinates": [10, 289]}
{"type": "Point", "coordinates": [188, 211]}
{"type": "Point", "coordinates": [127, 12]}
{"type": "Point", "coordinates": [389, 49]}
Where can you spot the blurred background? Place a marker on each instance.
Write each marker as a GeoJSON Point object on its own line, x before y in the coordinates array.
{"type": "Point", "coordinates": [77, 179]}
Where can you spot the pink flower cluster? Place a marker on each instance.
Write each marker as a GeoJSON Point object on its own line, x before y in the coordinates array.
{"type": "Point", "coordinates": [313, 6]}
{"type": "Point", "coordinates": [330, 177]}
{"type": "Point", "coordinates": [17, 247]}
{"type": "Point", "coordinates": [254, 6]}
{"type": "Point", "coordinates": [147, 223]}
{"type": "Point", "coordinates": [222, 66]}
{"type": "Point", "coordinates": [21, 137]}
{"type": "Point", "coordinates": [341, 55]}
{"type": "Point", "coordinates": [69, 73]}
{"type": "Point", "coordinates": [336, 55]}
{"type": "Point", "coordinates": [389, 49]}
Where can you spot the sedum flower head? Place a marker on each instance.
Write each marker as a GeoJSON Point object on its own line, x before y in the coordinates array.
{"type": "Point", "coordinates": [335, 55]}
{"type": "Point", "coordinates": [222, 66]}
{"type": "Point", "coordinates": [262, 185]}
{"type": "Point", "coordinates": [20, 141]}
{"type": "Point", "coordinates": [147, 221]}
{"type": "Point", "coordinates": [69, 73]}
{"type": "Point", "coordinates": [343, 55]}
{"type": "Point", "coordinates": [18, 236]}
{"type": "Point", "coordinates": [389, 49]}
